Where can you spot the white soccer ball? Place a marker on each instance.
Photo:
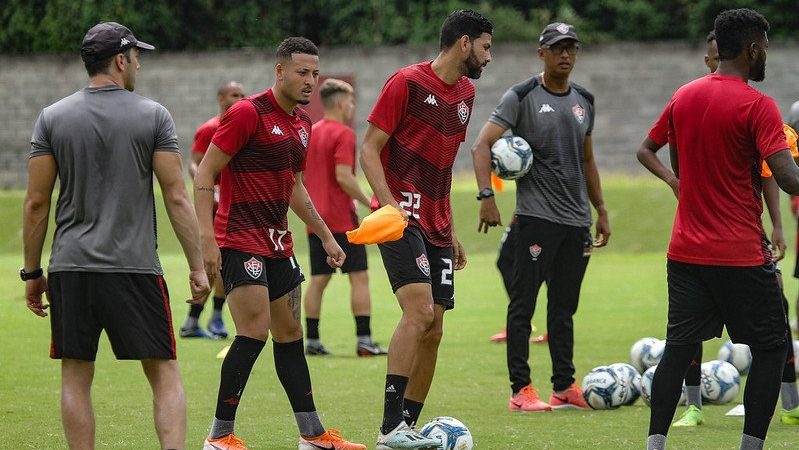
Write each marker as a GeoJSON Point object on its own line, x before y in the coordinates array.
{"type": "Point", "coordinates": [630, 380]}
{"type": "Point", "coordinates": [655, 353]}
{"type": "Point", "coordinates": [511, 157]}
{"type": "Point", "coordinates": [452, 433]}
{"type": "Point", "coordinates": [646, 387]}
{"type": "Point", "coordinates": [602, 388]}
{"type": "Point", "coordinates": [719, 382]}
{"type": "Point", "coordinates": [738, 355]}
{"type": "Point", "coordinates": [639, 350]}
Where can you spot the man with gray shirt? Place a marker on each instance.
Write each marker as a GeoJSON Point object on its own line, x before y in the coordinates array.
{"type": "Point", "coordinates": [104, 144]}
{"type": "Point", "coordinates": [556, 117]}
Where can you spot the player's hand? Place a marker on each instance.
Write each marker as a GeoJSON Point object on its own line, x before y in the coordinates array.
{"type": "Point", "coordinates": [199, 286]}
{"type": "Point", "coordinates": [458, 253]}
{"type": "Point", "coordinates": [212, 258]}
{"type": "Point", "coordinates": [335, 255]}
{"type": "Point", "coordinates": [405, 214]}
{"type": "Point", "coordinates": [33, 296]}
{"type": "Point", "coordinates": [489, 215]}
{"type": "Point", "coordinates": [778, 244]}
{"type": "Point", "coordinates": [602, 229]}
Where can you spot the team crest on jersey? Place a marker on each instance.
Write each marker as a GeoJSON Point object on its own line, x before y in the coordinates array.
{"type": "Point", "coordinates": [535, 251]}
{"type": "Point", "coordinates": [463, 111]}
{"type": "Point", "coordinates": [424, 264]}
{"type": "Point", "coordinates": [579, 113]}
{"type": "Point", "coordinates": [253, 267]}
{"type": "Point", "coordinates": [304, 136]}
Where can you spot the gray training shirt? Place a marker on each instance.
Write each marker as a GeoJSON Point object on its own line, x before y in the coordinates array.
{"type": "Point", "coordinates": [103, 141]}
{"type": "Point", "coordinates": [555, 126]}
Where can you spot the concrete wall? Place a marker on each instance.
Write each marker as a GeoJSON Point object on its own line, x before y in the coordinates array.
{"type": "Point", "coordinates": [631, 83]}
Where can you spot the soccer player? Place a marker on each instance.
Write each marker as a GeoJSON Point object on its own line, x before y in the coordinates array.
{"type": "Point", "coordinates": [104, 144]}
{"type": "Point", "coordinates": [720, 267]}
{"type": "Point", "coordinates": [259, 148]}
{"type": "Point", "coordinates": [657, 138]}
{"type": "Point", "coordinates": [414, 133]}
{"type": "Point", "coordinates": [333, 188]}
{"type": "Point", "coordinates": [226, 96]}
{"type": "Point", "coordinates": [554, 243]}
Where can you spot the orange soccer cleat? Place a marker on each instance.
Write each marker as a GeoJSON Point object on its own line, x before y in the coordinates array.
{"type": "Point", "coordinates": [227, 442]}
{"type": "Point", "coordinates": [331, 440]}
{"type": "Point", "coordinates": [527, 400]}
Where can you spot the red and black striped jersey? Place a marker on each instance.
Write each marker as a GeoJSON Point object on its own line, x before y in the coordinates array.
{"type": "Point", "coordinates": [268, 147]}
{"type": "Point", "coordinates": [426, 120]}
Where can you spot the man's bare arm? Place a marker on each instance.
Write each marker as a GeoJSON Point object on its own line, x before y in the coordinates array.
{"type": "Point", "coordinates": [647, 156]}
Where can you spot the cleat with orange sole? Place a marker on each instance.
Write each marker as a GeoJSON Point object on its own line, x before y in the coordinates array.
{"type": "Point", "coordinates": [330, 440]}
{"type": "Point", "coordinates": [227, 442]}
{"type": "Point", "coordinates": [527, 400]}
{"type": "Point", "coordinates": [571, 398]}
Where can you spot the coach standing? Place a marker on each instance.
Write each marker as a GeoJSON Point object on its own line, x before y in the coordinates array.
{"type": "Point", "coordinates": [104, 144]}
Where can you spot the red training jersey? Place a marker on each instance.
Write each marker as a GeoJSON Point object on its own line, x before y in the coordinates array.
{"type": "Point", "coordinates": [203, 135]}
{"type": "Point", "coordinates": [268, 147]}
{"type": "Point", "coordinates": [659, 133]}
{"type": "Point", "coordinates": [723, 129]}
{"type": "Point", "coordinates": [332, 143]}
{"type": "Point", "coordinates": [426, 120]}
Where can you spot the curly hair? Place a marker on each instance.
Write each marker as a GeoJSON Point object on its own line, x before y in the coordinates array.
{"type": "Point", "coordinates": [736, 29]}
{"type": "Point", "coordinates": [463, 22]}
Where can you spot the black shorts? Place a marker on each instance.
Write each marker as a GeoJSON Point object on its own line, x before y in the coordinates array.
{"type": "Point", "coordinates": [748, 300]}
{"type": "Point", "coordinates": [133, 309]}
{"type": "Point", "coordinates": [355, 261]}
{"type": "Point", "coordinates": [281, 276]}
{"type": "Point", "coordinates": [413, 259]}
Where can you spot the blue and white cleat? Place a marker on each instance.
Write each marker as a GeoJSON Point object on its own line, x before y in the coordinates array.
{"type": "Point", "coordinates": [405, 438]}
{"type": "Point", "coordinates": [217, 328]}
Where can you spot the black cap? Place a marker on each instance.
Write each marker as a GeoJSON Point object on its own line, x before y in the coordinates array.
{"type": "Point", "coordinates": [557, 31]}
{"type": "Point", "coordinates": [107, 39]}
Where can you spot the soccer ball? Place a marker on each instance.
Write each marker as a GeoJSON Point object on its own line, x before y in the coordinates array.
{"type": "Point", "coordinates": [638, 350]}
{"type": "Point", "coordinates": [602, 388]}
{"type": "Point", "coordinates": [654, 353]}
{"type": "Point", "coordinates": [738, 355]}
{"type": "Point", "coordinates": [630, 380]}
{"type": "Point", "coordinates": [646, 387]}
{"type": "Point", "coordinates": [452, 433]}
{"type": "Point", "coordinates": [720, 382]}
{"type": "Point", "coordinates": [511, 157]}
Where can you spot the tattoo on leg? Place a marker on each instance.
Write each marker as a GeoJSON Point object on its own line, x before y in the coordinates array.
{"type": "Point", "coordinates": [295, 302]}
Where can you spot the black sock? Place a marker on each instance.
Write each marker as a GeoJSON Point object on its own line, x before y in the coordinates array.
{"type": "Point", "coordinates": [311, 328]}
{"type": "Point", "coordinates": [292, 370]}
{"type": "Point", "coordinates": [762, 389]}
{"type": "Point", "coordinates": [693, 375]}
{"type": "Point", "coordinates": [219, 302]}
{"type": "Point", "coordinates": [236, 370]}
{"type": "Point", "coordinates": [362, 326]}
{"type": "Point", "coordinates": [392, 404]}
{"type": "Point", "coordinates": [667, 384]}
{"type": "Point", "coordinates": [411, 411]}
{"type": "Point", "coordinates": [195, 311]}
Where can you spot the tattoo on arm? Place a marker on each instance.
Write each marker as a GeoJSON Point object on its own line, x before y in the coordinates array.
{"type": "Point", "coordinates": [295, 302]}
{"type": "Point", "coordinates": [204, 188]}
{"type": "Point", "coordinates": [312, 211]}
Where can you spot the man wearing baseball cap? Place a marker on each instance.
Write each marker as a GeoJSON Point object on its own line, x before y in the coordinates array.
{"type": "Point", "coordinates": [104, 144]}
{"type": "Point", "coordinates": [556, 117]}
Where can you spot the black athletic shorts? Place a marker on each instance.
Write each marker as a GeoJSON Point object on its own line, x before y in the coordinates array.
{"type": "Point", "coordinates": [133, 309]}
{"type": "Point", "coordinates": [748, 300]}
{"type": "Point", "coordinates": [355, 261]}
{"type": "Point", "coordinates": [413, 259]}
{"type": "Point", "coordinates": [281, 276]}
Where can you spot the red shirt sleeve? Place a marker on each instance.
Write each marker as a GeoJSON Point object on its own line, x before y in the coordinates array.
{"type": "Point", "coordinates": [659, 133]}
{"type": "Point", "coordinates": [236, 127]}
{"type": "Point", "coordinates": [390, 107]}
{"type": "Point", "coordinates": [766, 127]}
{"type": "Point", "coordinates": [344, 153]}
{"type": "Point", "coordinates": [202, 138]}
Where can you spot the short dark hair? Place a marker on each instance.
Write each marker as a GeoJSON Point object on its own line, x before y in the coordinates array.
{"type": "Point", "coordinates": [736, 29]}
{"type": "Point", "coordinates": [711, 36]}
{"type": "Point", "coordinates": [96, 67]}
{"type": "Point", "coordinates": [463, 22]}
{"type": "Point", "coordinates": [295, 44]}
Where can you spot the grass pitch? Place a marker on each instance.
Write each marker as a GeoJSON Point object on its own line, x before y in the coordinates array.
{"type": "Point", "coordinates": [623, 299]}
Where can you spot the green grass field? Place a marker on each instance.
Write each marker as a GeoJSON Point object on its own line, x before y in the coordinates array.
{"type": "Point", "coordinates": [623, 299]}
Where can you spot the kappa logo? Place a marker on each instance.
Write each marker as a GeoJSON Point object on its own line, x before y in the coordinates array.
{"type": "Point", "coordinates": [463, 112]}
{"type": "Point", "coordinates": [545, 108]}
{"type": "Point", "coordinates": [431, 100]}
{"type": "Point", "coordinates": [303, 136]}
{"type": "Point", "coordinates": [535, 251]}
{"type": "Point", "coordinates": [579, 113]}
{"type": "Point", "coordinates": [563, 28]}
{"type": "Point", "coordinates": [276, 130]}
{"type": "Point", "coordinates": [424, 264]}
{"type": "Point", "coordinates": [253, 267]}
{"type": "Point", "coordinates": [123, 42]}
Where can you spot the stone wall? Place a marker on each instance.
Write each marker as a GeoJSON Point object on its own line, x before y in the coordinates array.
{"type": "Point", "coordinates": [631, 83]}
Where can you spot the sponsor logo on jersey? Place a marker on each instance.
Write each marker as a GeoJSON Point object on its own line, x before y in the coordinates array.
{"type": "Point", "coordinates": [253, 267]}
{"type": "Point", "coordinates": [303, 136]}
{"type": "Point", "coordinates": [463, 112]}
{"type": "Point", "coordinates": [545, 108]}
{"type": "Point", "coordinates": [431, 100]}
{"type": "Point", "coordinates": [424, 264]}
{"type": "Point", "coordinates": [276, 130]}
{"type": "Point", "coordinates": [579, 113]}
{"type": "Point", "coordinates": [535, 251]}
